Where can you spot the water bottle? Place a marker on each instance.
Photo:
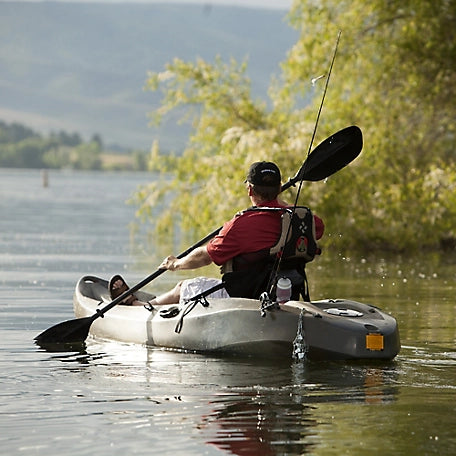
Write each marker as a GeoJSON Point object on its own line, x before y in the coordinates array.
{"type": "Point", "coordinates": [283, 289]}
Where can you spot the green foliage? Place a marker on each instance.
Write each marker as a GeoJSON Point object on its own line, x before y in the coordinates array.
{"type": "Point", "coordinates": [139, 160]}
{"type": "Point", "coordinates": [21, 147]}
{"type": "Point", "coordinates": [86, 156]}
{"type": "Point", "coordinates": [394, 76]}
{"type": "Point", "coordinates": [230, 131]}
{"type": "Point", "coordinates": [15, 132]}
{"type": "Point", "coordinates": [27, 152]}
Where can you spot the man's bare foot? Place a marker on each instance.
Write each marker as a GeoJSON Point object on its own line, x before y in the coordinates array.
{"type": "Point", "coordinates": [118, 286]}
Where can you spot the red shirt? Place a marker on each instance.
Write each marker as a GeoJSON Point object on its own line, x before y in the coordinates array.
{"type": "Point", "coordinates": [249, 232]}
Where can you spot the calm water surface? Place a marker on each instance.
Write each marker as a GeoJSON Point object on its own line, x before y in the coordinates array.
{"type": "Point", "coordinates": [114, 399]}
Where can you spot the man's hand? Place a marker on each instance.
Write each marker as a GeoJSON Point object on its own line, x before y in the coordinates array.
{"type": "Point", "coordinates": [170, 263]}
{"type": "Point", "coordinates": [194, 260]}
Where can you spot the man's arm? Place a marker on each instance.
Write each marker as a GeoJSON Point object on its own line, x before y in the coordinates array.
{"type": "Point", "coordinates": [194, 260]}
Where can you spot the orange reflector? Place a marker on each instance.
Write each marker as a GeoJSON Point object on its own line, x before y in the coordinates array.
{"type": "Point", "coordinates": [374, 341]}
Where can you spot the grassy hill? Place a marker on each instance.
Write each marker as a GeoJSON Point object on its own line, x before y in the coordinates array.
{"type": "Point", "coordinates": [82, 67]}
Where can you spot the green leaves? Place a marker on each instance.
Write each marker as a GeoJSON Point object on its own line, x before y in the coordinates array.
{"type": "Point", "coordinates": [394, 76]}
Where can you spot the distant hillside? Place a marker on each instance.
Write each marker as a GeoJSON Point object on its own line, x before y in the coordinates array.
{"type": "Point", "coordinates": [82, 67]}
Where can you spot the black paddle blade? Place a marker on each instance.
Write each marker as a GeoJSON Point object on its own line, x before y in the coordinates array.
{"type": "Point", "coordinates": [333, 154]}
{"type": "Point", "coordinates": [67, 332]}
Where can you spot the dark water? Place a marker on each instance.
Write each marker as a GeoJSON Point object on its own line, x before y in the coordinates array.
{"type": "Point", "coordinates": [119, 399]}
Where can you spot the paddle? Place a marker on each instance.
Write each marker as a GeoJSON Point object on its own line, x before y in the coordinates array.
{"type": "Point", "coordinates": [327, 158]}
{"type": "Point", "coordinates": [330, 156]}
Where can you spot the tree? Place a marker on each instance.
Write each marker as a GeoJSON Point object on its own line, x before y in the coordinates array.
{"type": "Point", "coordinates": [86, 156]}
{"type": "Point", "coordinates": [26, 153]}
{"type": "Point", "coordinates": [66, 139]}
{"type": "Point", "coordinates": [15, 132]}
{"type": "Point", "coordinates": [57, 157]}
{"type": "Point", "coordinates": [21, 147]}
{"type": "Point", "coordinates": [394, 76]}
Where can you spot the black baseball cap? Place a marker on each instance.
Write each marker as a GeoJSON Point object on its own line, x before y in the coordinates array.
{"type": "Point", "coordinates": [264, 173]}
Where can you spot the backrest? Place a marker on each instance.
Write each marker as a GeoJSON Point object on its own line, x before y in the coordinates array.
{"type": "Point", "coordinates": [297, 242]}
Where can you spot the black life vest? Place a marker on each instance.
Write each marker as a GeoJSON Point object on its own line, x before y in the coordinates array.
{"type": "Point", "coordinates": [248, 275]}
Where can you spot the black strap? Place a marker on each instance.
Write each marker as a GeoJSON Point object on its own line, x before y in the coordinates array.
{"type": "Point", "coordinates": [193, 301]}
{"type": "Point", "coordinates": [305, 292]}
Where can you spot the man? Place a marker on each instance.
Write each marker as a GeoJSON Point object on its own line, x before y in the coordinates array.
{"type": "Point", "coordinates": [242, 242]}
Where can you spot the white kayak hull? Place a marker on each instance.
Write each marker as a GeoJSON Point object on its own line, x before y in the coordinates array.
{"type": "Point", "coordinates": [331, 329]}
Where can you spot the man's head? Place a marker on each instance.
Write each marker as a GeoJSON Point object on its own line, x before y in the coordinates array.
{"type": "Point", "coordinates": [265, 180]}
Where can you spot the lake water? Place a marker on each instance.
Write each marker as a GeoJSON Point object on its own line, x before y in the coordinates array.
{"type": "Point", "coordinates": [115, 399]}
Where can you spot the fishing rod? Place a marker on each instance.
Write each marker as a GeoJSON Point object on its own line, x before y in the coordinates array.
{"type": "Point", "coordinates": [275, 269]}
{"type": "Point", "coordinates": [321, 106]}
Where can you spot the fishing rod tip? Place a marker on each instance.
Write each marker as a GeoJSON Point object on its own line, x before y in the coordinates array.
{"type": "Point", "coordinates": [315, 80]}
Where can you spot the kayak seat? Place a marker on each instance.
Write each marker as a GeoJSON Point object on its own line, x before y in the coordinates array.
{"type": "Point", "coordinates": [95, 288]}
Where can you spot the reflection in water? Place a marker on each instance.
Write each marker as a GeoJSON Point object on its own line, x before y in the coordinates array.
{"type": "Point", "coordinates": [284, 420]}
{"type": "Point", "coordinates": [239, 405]}
{"type": "Point", "coordinates": [260, 424]}
{"type": "Point", "coordinates": [348, 382]}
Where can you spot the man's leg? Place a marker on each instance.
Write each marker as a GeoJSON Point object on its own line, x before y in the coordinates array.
{"type": "Point", "coordinates": [170, 297]}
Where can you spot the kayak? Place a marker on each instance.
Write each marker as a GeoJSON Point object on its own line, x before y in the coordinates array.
{"type": "Point", "coordinates": [318, 330]}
